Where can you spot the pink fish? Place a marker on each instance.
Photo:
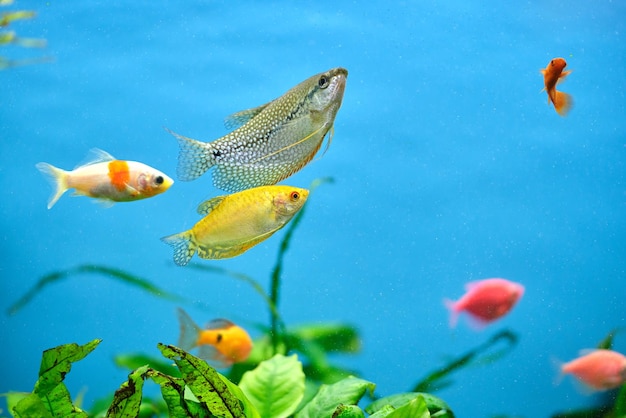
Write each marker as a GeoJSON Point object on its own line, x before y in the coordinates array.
{"type": "Point", "coordinates": [486, 300]}
{"type": "Point", "coordinates": [598, 369]}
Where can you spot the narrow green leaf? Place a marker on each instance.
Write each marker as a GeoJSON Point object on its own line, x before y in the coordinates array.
{"type": "Point", "coordinates": [620, 403]}
{"type": "Point", "coordinates": [434, 380]}
{"type": "Point", "coordinates": [132, 361]}
{"type": "Point", "coordinates": [414, 409]}
{"type": "Point", "coordinates": [92, 269]}
{"type": "Point", "coordinates": [347, 391]}
{"type": "Point", "coordinates": [205, 383]}
{"type": "Point", "coordinates": [127, 399]}
{"type": "Point", "coordinates": [275, 387]}
{"type": "Point", "coordinates": [57, 362]}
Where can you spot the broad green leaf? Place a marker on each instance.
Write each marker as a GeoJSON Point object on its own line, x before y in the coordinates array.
{"type": "Point", "coordinates": [347, 391]}
{"type": "Point", "coordinates": [275, 387]}
{"type": "Point", "coordinates": [330, 337]}
{"type": "Point", "coordinates": [31, 406]}
{"type": "Point", "coordinates": [12, 398]}
{"type": "Point", "coordinates": [127, 399]}
{"type": "Point", "coordinates": [57, 362]}
{"type": "Point", "coordinates": [173, 392]}
{"type": "Point", "coordinates": [205, 383]}
{"type": "Point", "coordinates": [383, 412]}
{"type": "Point", "coordinates": [348, 411]}
{"type": "Point", "coordinates": [414, 409]}
{"type": "Point", "coordinates": [433, 403]}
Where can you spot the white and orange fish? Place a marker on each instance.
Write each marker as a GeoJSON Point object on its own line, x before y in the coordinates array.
{"type": "Point", "coordinates": [107, 179]}
{"type": "Point", "coordinates": [553, 74]}
{"type": "Point", "coordinates": [222, 342]}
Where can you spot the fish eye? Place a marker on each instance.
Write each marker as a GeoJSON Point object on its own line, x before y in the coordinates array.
{"type": "Point", "coordinates": [159, 180]}
{"type": "Point", "coordinates": [323, 82]}
{"type": "Point", "coordinates": [294, 196]}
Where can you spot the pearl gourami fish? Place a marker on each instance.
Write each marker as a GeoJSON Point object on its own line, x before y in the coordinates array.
{"type": "Point", "coordinates": [221, 342]}
{"type": "Point", "coordinates": [235, 223]}
{"type": "Point", "coordinates": [552, 75]}
{"type": "Point", "coordinates": [271, 141]}
{"type": "Point", "coordinates": [107, 179]}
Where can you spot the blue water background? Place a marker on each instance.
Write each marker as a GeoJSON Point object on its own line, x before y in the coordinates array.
{"type": "Point", "coordinates": [449, 166]}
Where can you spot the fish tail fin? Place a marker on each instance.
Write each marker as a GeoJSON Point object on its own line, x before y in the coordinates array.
{"type": "Point", "coordinates": [562, 102]}
{"type": "Point", "coordinates": [184, 246]}
{"type": "Point", "coordinates": [454, 314]}
{"type": "Point", "coordinates": [189, 331]}
{"type": "Point", "coordinates": [558, 367]}
{"type": "Point", "coordinates": [194, 158]}
{"type": "Point", "coordinates": [57, 178]}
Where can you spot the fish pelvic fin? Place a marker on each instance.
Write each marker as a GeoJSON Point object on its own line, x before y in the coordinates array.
{"type": "Point", "coordinates": [562, 102]}
{"type": "Point", "coordinates": [189, 331]}
{"type": "Point", "coordinates": [57, 178]}
{"type": "Point", "coordinates": [194, 158]}
{"type": "Point", "coordinates": [184, 246]}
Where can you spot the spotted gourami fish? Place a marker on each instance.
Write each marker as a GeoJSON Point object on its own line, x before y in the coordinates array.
{"type": "Point", "coordinates": [221, 342]}
{"type": "Point", "coordinates": [107, 179]}
{"type": "Point", "coordinates": [235, 223]}
{"type": "Point", "coordinates": [598, 369]}
{"type": "Point", "coordinates": [486, 300]}
{"type": "Point", "coordinates": [271, 141]}
{"type": "Point", "coordinates": [552, 75]}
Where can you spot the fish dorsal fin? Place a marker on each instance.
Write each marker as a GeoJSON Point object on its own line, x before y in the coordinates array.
{"type": "Point", "coordinates": [207, 206]}
{"type": "Point", "coordinates": [96, 156]}
{"type": "Point", "coordinates": [219, 323]}
{"type": "Point", "coordinates": [472, 285]}
{"type": "Point", "coordinates": [241, 118]}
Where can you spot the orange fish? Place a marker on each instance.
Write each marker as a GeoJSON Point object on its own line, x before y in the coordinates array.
{"type": "Point", "coordinates": [222, 342]}
{"type": "Point", "coordinates": [552, 75]}
{"type": "Point", "coordinates": [599, 369]}
{"type": "Point", "coordinates": [486, 300]}
{"type": "Point", "coordinates": [107, 179]}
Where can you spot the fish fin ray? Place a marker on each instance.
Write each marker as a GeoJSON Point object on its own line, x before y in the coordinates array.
{"type": "Point", "coordinates": [95, 156]}
{"type": "Point", "coordinates": [563, 103]}
{"type": "Point", "coordinates": [184, 246]}
{"type": "Point", "coordinates": [194, 158]}
{"type": "Point", "coordinates": [454, 314]}
{"type": "Point", "coordinates": [219, 323]}
{"type": "Point", "coordinates": [242, 117]}
{"type": "Point", "coordinates": [189, 331]}
{"type": "Point", "coordinates": [57, 179]}
{"type": "Point", "coordinates": [228, 251]}
{"type": "Point", "coordinates": [207, 206]}
{"type": "Point", "coordinates": [212, 355]}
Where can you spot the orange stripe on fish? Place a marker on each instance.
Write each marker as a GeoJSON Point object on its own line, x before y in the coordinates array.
{"type": "Point", "coordinates": [119, 174]}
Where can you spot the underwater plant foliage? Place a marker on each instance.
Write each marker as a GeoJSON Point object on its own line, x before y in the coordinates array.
{"type": "Point", "coordinates": [274, 389]}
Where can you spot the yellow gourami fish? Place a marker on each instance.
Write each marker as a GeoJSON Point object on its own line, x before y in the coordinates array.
{"type": "Point", "coordinates": [222, 342]}
{"type": "Point", "coordinates": [107, 179]}
{"type": "Point", "coordinates": [271, 141]}
{"type": "Point", "coordinates": [235, 223]}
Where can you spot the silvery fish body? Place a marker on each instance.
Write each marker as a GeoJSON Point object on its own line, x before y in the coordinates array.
{"type": "Point", "coordinates": [272, 141]}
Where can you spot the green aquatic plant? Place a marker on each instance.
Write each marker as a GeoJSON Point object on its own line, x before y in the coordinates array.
{"type": "Point", "coordinates": [9, 37]}
{"type": "Point", "coordinates": [274, 389]}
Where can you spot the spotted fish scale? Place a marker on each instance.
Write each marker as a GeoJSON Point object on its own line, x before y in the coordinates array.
{"type": "Point", "coordinates": [272, 141]}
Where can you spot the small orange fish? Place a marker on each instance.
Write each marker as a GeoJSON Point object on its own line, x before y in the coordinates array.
{"type": "Point", "coordinates": [107, 179]}
{"type": "Point", "coordinates": [222, 342]}
{"type": "Point", "coordinates": [598, 369]}
{"type": "Point", "coordinates": [552, 75]}
{"type": "Point", "coordinates": [486, 300]}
